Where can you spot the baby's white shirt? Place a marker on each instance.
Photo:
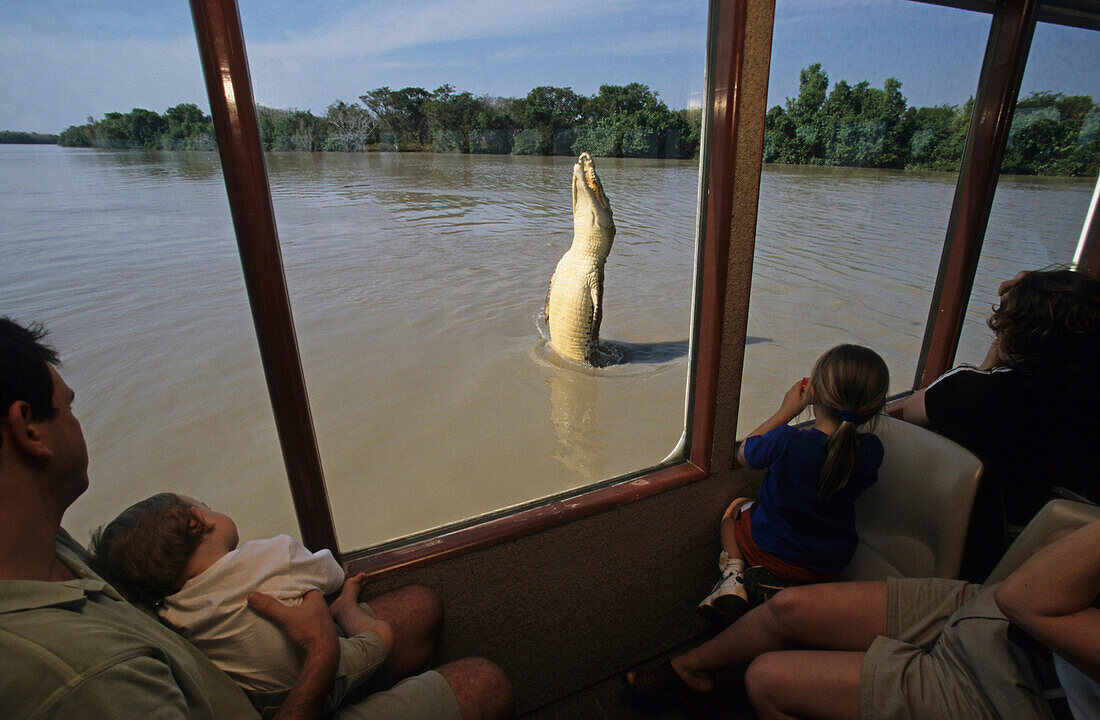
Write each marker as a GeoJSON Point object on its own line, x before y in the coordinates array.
{"type": "Point", "coordinates": [211, 609]}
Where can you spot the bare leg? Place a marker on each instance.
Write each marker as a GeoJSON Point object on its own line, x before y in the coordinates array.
{"type": "Point", "coordinates": [725, 529]}
{"type": "Point", "coordinates": [482, 689]}
{"type": "Point", "coordinates": [415, 613]}
{"type": "Point", "coordinates": [822, 685]}
{"type": "Point", "coordinates": [830, 616]}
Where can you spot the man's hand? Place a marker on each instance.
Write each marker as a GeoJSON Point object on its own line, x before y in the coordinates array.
{"type": "Point", "coordinates": [1004, 287]}
{"type": "Point", "coordinates": [311, 630]}
{"type": "Point", "coordinates": [308, 626]}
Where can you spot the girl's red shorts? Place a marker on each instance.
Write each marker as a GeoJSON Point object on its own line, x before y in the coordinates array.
{"type": "Point", "coordinates": [753, 555]}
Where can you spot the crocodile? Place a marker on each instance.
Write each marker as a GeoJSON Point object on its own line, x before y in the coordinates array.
{"type": "Point", "coordinates": [574, 303]}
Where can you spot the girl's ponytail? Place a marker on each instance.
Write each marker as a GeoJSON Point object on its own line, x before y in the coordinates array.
{"type": "Point", "coordinates": [841, 457]}
{"type": "Point", "coordinates": [850, 384]}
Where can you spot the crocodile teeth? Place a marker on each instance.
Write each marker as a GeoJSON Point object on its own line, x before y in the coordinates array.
{"type": "Point", "coordinates": [591, 178]}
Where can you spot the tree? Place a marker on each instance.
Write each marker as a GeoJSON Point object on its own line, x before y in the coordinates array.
{"type": "Point", "coordinates": [299, 130]}
{"type": "Point", "coordinates": [349, 127]}
{"type": "Point", "coordinates": [862, 126]}
{"type": "Point", "coordinates": [451, 116]}
{"type": "Point", "coordinates": [402, 111]}
{"type": "Point", "coordinates": [551, 113]}
{"type": "Point", "coordinates": [1051, 135]}
{"type": "Point", "coordinates": [939, 134]}
{"type": "Point", "coordinates": [187, 129]}
{"type": "Point", "coordinates": [146, 127]}
{"type": "Point", "coordinates": [627, 121]}
{"type": "Point", "coordinates": [807, 144]}
{"type": "Point", "coordinates": [77, 136]}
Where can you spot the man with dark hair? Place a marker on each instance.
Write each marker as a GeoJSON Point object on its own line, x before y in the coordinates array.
{"type": "Point", "coordinates": [71, 647]}
{"type": "Point", "coordinates": [24, 364]}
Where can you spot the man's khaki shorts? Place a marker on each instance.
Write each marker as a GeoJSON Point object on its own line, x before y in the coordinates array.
{"type": "Point", "coordinates": [946, 654]}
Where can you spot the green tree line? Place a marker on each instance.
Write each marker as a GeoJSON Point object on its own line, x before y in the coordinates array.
{"type": "Point", "coordinates": [850, 125]}
{"type": "Point", "coordinates": [183, 127]}
{"type": "Point", "coordinates": [18, 137]}
{"type": "Point", "coordinates": [618, 121]}
{"type": "Point", "coordinates": [861, 126]}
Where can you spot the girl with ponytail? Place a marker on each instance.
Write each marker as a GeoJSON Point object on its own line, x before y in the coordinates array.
{"type": "Point", "coordinates": [802, 527]}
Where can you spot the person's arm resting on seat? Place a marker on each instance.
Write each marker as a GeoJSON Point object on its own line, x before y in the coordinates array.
{"type": "Point", "coordinates": [1051, 597]}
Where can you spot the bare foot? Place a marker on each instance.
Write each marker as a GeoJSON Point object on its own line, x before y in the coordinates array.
{"type": "Point", "coordinates": [352, 618]}
{"type": "Point", "coordinates": [695, 679]}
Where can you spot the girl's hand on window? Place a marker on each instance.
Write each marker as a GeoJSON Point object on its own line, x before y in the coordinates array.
{"type": "Point", "coordinates": [796, 399]}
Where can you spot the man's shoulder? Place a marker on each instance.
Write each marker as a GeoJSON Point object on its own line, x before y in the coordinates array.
{"type": "Point", "coordinates": [966, 391]}
{"type": "Point", "coordinates": [967, 376]}
{"type": "Point", "coordinates": [68, 542]}
{"type": "Point", "coordinates": [51, 647]}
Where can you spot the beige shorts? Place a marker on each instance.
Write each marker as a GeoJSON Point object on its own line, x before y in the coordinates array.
{"type": "Point", "coordinates": [946, 654]}
{"type": "Point", "coordinates": [426, 696]}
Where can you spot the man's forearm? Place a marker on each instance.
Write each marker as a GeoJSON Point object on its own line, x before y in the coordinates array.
{"type": "Point", "coordinates": [1051, 597]}
{"type": "Point", "coordinates": [305, 699]}
{"type": "Point", "coordinates": [310, 629]}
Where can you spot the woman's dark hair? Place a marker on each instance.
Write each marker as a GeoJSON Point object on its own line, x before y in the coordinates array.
{"type": "Point", "coordinates": [850, 383]}
{"type": "Point", "coordinates": [1048, 324]}
{"type": "Point", "coordinates": [146, 548]}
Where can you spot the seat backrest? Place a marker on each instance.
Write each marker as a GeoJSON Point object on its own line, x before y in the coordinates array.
{"type": "Point", "coordinates": [1055, 515]}
{"type": "Point", "coordinates": [913, 521]}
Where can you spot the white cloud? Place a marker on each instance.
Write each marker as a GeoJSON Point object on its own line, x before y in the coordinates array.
{"type": "Point", "coordinates": [367, 32]}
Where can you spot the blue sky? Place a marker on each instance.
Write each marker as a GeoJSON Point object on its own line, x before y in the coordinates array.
{"type": "Point", "coordinates": [61, 61]}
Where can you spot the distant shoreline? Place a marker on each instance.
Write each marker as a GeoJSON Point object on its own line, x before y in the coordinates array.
{"type": "Point", "coordinates": [22, 137]}
{"type": "Point", "coordinates": [829, 124]}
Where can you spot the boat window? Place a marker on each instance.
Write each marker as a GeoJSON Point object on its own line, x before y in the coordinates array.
{"type": "Point", "coordinates": [421, 163]}
{"type": "Point", "coordinates": [1048, 176]}
{"type": "Point", "coordinates": [121, 243]}
{"type": "Point", "coordinates": [862, 151]}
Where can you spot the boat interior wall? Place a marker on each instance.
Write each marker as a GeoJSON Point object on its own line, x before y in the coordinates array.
{"type": "Point", "coordinates": [563, 609]}
{"type": "Point", "coordinates": [913, 521]}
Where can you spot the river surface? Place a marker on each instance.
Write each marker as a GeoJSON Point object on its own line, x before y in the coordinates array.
{"type": "Point", "coordinates": [417, 282]}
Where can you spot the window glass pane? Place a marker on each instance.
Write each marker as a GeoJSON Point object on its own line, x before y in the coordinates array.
{"type": "Point", "coordinates": [1048, 175]}
{"type": "Point", "coordinates": [862, 148]}
{"type": "Point", "coordinates": [421, 233]}
{"type": "Point", "coordinates": [127, 255]}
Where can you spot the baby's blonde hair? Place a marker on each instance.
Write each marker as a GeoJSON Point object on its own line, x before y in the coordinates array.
{"type": "Point", "coordinates": [146, 548]}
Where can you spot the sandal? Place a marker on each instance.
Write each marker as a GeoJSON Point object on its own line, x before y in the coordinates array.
{"type": "Point", "coordinates": [658, 688]}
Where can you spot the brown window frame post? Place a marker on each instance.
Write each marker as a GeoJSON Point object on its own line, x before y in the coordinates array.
{"type": "Point", "coordinates": [229, 86]}
{"type": "Point", "coordinates": [998, 87]}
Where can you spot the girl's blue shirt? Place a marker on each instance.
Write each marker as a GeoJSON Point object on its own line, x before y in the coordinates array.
{"type": "Point", "coordinates": [790, 520]}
